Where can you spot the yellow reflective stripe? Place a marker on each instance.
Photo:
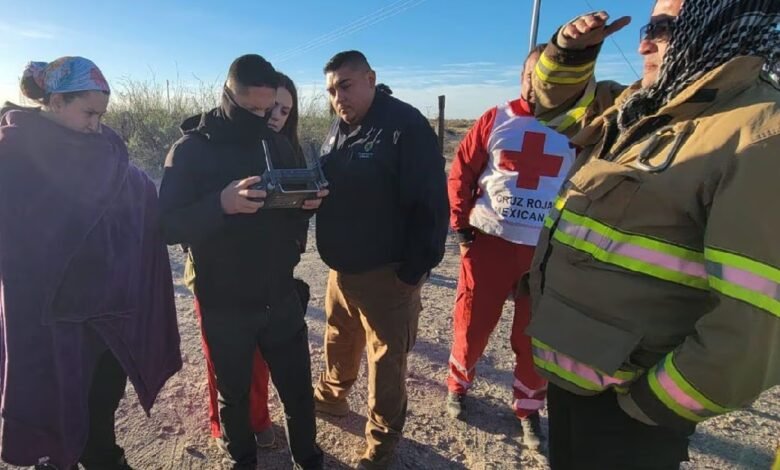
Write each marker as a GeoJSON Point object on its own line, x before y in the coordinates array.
{"type": "Point", "coordinates": [571, 370]}
{"type": "Point", "coordinates": [552, 72]}
{"type": "Point", "coordinates": [685, 386]}
{"type": "Point", "coordinates": [557, 67]}
{"type": "Point", "coordinates": [550, 78]}
{"type": "Point", "coordinates": [555, 213]}
{"type": "Point", "coordinates": [741, 262]}
{"type": "Point", "coordinates": [744, 279]}
{"type": "Point", "coordinates": [667, 400]}
{"type": "Point", "coordinates": [566, 375]}
{"type": "Point", "coordinates": [679, 395]}
{"type": "Point", "coordinates": [763, 302]}
{"type": "Point", "coordinates": [565, 121]}
{"type": "Point", "coordinates": [644, 242]}
{"type": "Point", "coordinates": [633, 252]}
{"type": "Point", "coordinates": [629, 263]}
{"type": "Point", "coordinates": [571, 118]}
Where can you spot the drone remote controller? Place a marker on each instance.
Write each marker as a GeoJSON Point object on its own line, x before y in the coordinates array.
{"type": "Point", "coordinates": [289, 188]}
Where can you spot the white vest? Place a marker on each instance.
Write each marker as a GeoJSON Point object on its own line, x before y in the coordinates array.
{"type": "Point", "coordinates": [527, 164]}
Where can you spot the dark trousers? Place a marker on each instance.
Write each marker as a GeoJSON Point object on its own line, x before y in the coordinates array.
{"type": "Point", "coordinates": [107, 389]}
{"type": "Point", "coordinates": [281, 334]}
{"type": "Point", "coordinates": [595, 433]}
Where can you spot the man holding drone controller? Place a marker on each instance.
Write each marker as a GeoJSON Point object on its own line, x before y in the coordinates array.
{"type": "Point", "coordinates": [242, 258]}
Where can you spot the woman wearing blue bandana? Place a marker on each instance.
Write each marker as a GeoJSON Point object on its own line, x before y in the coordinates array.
{"type": "Point", "coordinates": [74, 327]}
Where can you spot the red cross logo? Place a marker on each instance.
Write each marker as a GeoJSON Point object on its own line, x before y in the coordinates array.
{"type": "Point", "coordinates": [531, 162]}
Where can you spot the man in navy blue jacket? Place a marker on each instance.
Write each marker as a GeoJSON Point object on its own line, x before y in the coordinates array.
{"type": "Point", "coordinates": [381, 231]}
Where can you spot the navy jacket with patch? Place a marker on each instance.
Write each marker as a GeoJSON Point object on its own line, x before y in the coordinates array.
{"type": "Point", "coordinates": [388, 200]}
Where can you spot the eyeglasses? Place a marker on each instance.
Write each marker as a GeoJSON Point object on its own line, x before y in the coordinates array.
{"type": "Point", "coordinates": [660, 30]}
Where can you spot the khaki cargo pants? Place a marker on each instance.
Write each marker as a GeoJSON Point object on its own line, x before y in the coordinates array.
{"type": "Point", "coordinates": [378, 312]}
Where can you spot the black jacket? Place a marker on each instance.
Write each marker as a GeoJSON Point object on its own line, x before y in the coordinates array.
{"type": "Point", "coordinates": [388, 193]}
{"type": "Point", "coordinates": [240, 261]}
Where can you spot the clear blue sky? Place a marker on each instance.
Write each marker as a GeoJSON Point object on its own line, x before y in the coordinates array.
{"type": "Point", "coordinates": [469, 50]}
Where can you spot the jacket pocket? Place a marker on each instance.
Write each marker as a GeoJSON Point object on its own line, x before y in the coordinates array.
{"type": "Point", "coordinates": [577, 334]}
{"type": "Point", "coordinates": [602, 190]}
{"type": "Point", "coordinates": [598, 196]}
{"type": "Point", "coordinates": [369, 182]}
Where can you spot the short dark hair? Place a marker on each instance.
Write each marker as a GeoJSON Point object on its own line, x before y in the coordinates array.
{"type": "Point", "coordinates": [536, 50]}
{"type": "Point", "coordinates": [252, 70]}
{"type": "Point", "coordinates": [350, 58]}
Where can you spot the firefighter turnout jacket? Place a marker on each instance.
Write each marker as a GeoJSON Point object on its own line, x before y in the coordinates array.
{"type": "Point", "coordinates": [658, 271]}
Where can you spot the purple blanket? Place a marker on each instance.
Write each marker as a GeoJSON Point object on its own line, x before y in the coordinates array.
{"type": "Point", "coordinates": [83, 268]}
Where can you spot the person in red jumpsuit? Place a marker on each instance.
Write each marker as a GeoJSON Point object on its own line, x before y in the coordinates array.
{"type": "Point", "coordinates": [503, 182]}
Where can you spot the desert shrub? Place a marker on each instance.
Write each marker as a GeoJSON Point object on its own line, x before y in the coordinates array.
{"type": "Point", "coordinates": [147, 114]}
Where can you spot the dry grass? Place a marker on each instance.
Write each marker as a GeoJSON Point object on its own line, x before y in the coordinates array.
{"type": "Point", "coordinates": [148, 114]}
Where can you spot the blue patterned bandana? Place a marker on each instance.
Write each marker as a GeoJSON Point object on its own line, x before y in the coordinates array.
{"type": "Point", "coordinates": [67, 75]}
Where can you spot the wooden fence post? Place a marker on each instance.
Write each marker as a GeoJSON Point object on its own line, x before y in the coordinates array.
{"type": "Point", "coordinates": [441, 123]}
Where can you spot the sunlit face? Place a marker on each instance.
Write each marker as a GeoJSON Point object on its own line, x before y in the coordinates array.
{"type": "Point", "coordinates": [282, 109]}
{"type": "Point", "coordinates": [527, 90]}
{"type": "Point", "coordinates": [351, 92]}
{"type": "Point", "coordinates": [654, 50]}
{"type": "Point", "coordinates": [258, 100]}
{"type": "Point", "coordinates": [81, 114]}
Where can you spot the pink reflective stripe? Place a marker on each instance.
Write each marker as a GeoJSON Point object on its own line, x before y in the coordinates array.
{"type": "Point", "coordinates": [459, 366]}
{"type": "Point", "coordinates": [664, 260]}
{"type": "Point", "coordinates": [520, 386]}
{"type": "Point", "coordinates": [528, 404]}
{"type": "Point", "coordinates": [463, 383]}
{"type": "Point", "coordinates": [671, 262]}
{"type": "Point", "coordinates": [579, 369]}
{"type": "Point", "coordinates": [750, 281]}
{"type": "Point", "coordinates": [677, 393]}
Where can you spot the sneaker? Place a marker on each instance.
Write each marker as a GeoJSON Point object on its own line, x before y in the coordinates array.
{"type": "Point", "coordinates": [455, 408]}
{"type": "Point", "coordinates": [338, 409]}
{"type": "Point", "coordinates": [533, 437]}
{"type": "Point", "coordinates": [265, 438]}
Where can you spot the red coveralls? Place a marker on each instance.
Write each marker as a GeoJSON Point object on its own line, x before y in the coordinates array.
{"type": "Point", "coordinates": [503, 181]}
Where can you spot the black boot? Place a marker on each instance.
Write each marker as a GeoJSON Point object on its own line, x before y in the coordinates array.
{"type": "Point", "coordinates": [455, 408]}
{"type": "Point", "coordinates": [533, 436]}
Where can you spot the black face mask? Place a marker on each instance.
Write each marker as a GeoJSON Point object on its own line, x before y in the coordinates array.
{"type": "Point", "coordinates": [247, 125]}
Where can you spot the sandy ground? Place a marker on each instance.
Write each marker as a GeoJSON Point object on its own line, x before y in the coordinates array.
{"type": "Point", "coordinates": [176, 436]}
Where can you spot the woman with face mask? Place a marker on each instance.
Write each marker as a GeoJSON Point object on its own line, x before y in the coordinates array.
{"type": "Point", "coordinates": [75, 327]}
